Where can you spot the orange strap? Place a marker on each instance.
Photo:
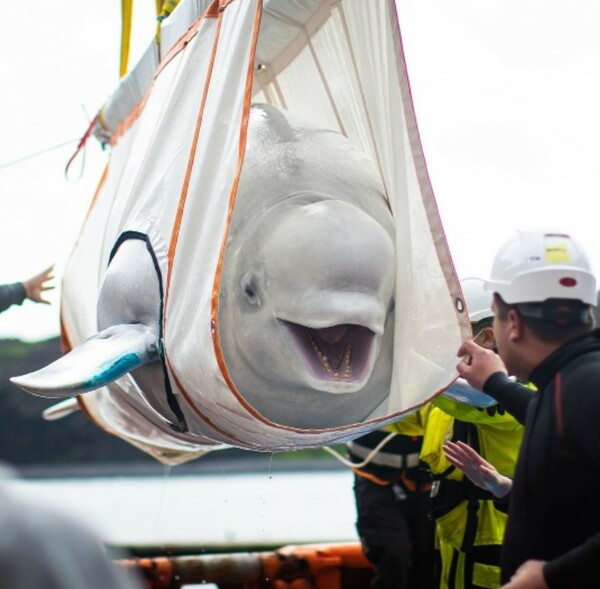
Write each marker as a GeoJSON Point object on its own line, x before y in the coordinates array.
{"type": "Point", "coordinates": [372, 478]}
{"type": "Point", "coordinates": [409, 484]}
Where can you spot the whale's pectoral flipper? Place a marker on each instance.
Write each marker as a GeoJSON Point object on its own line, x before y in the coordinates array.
{"type": "Point", "coordinates": [61, 409]}
{"type": "Point", "coordinates": [96, 362]}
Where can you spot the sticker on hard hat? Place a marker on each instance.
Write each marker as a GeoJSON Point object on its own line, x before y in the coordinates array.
{"type": "Point", "coordinates": [557, 254]}
{"type": "Point", "coordinates": [568, 282]}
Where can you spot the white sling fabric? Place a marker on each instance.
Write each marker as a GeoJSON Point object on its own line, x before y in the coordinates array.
{"type": "Point", "coordinates": [173, 176]}
{"type": "Point", "coordinates": [345, 66]}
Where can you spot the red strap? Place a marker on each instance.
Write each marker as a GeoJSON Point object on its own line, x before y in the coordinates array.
{"type": "Point", "coordinates": [82, 143]}
{"type": "Point", "coordinates": [558, 404]}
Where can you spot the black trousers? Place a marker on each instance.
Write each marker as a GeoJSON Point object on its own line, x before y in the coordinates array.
{"type": "Point", "coordinates": [397, 536]}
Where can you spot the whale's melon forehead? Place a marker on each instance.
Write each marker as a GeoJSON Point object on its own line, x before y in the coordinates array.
{"type": "Point", "coordinates": [329, 245]}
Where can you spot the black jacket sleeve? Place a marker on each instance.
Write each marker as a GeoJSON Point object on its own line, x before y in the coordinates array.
{"type": "Point", "coordinates": [576, 568]}
{"type": "Point", "coordinates": [580, 435]}
{"type": "Point", "coordinates": [11, 294]}
{"type": "Point", "coordinates": [512, 395]}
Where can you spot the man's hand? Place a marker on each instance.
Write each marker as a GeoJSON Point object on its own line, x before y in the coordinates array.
{"type": "Point", "coordinates": [478, 364]}
{"type": "Point", "coordinates": [478, 470]}
{"type": "Point", "coordinates": [34, 287]}
{"type": "Point", "coordinates": [530, 575]}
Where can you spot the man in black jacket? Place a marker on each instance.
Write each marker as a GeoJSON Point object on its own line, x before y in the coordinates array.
{"type": "Point", "coordinates": [543, 295]}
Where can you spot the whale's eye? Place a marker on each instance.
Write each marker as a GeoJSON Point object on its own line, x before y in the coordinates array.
{"type": "Point", "coordinates": [250, 289]}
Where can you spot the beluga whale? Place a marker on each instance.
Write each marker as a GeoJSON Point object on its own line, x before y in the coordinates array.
{"type": "Point", "coordinates": [305, 301]}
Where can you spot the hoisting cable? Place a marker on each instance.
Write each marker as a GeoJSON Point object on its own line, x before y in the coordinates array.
{"type": "Point", "coordinates": [369, 457]}
{"type": "Point", "coordinates": [36, 154]}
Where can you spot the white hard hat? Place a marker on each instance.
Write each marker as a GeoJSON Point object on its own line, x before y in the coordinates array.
{"type": "Point", "coordinates": [478, 299]}
{"type": "Point", "coordinates": [536, 265]}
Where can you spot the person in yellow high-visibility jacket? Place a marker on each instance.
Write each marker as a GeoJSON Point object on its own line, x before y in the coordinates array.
{"type": "Point", "coordinates": [469, 526]}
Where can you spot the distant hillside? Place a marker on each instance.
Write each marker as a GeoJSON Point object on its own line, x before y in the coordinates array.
{"type": "Point", "coordinates": [26, 438]}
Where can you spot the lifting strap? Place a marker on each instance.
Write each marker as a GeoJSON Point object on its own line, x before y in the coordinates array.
{"type": "Point", "coordinates": [126, 10]}
{"type": "Point", "coordinates": [163, 10]}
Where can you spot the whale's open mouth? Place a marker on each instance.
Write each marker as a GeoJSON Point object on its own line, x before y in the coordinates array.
{"type": "Point", "coordinates": [337, 354]}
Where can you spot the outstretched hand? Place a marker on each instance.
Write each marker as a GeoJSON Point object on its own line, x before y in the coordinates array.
{"type": "Point", "coordinates": [36, 286]}
{"type": "Point", "coordinates": [477, 469]}
{"type": "Point", "coordinates": [477, 364]}
{"type": "Point", "coordinates": [530, 575]}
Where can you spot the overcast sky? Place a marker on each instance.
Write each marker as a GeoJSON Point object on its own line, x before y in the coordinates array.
{"type": "Point", "coordinates": [506, 94]}
{"type": "Point", "coordinates": [59, 62]}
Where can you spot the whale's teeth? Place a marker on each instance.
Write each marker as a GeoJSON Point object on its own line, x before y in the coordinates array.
{"type": "Point", "coordinates": [346, 363]}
